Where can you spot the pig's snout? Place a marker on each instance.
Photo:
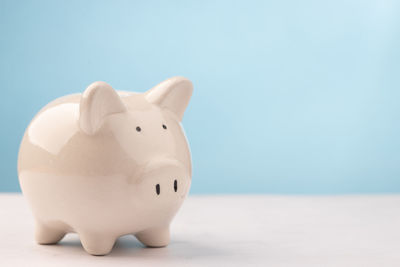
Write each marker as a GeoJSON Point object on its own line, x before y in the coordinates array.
{"type": "Point", "coordinates": [168, 177]}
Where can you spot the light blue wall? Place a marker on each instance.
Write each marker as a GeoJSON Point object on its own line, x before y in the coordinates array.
{"type": "Point", "coordinates": [290, 96]}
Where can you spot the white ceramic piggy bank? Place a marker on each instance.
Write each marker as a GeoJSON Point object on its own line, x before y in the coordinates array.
{"type": "Point", "coordinates": [108, 163]}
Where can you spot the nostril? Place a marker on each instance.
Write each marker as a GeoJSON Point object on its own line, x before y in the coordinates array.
{"type": "Point", "coordinates": [176, 185]}
{"type": "Point", "coordinates": [158, 189]}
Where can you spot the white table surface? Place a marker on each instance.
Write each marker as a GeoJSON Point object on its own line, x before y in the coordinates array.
{"type": "Point", "coordinates": [232, 231]}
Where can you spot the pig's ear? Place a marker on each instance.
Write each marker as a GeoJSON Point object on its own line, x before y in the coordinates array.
{"type": "Point", "coordinates": [172, 94]}
{"type": "Point", "coordinates": [98, 101]}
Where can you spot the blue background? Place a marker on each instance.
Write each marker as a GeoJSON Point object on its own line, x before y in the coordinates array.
{"type": "Point", "coordinates": [290, 96]}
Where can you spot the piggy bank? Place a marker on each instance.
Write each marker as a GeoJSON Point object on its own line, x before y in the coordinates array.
{"type": "Point", "coordinates": [108, 163]}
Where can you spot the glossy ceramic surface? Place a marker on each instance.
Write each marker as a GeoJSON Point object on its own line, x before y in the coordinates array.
{"type": "Point", "coordinates": [108, 163]}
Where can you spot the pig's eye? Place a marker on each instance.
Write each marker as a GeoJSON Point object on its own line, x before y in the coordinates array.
{"type": "Point", "coordinates": [158, 189]}
{"type": "Point", "coordinates": [175, 185]}
{"type": "Point", "coordinates": [164, 126]}
{"type": "Point", "coordinates": [138, 129]}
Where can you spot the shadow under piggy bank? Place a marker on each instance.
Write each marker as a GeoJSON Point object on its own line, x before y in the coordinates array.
{"type": "Point", "coordinates": [130, 247]}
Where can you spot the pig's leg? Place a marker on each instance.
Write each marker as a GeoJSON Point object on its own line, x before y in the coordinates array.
{"type": "Point", "coordinates": [154, 237]}
{"type": "Point", "coordinates": [46, 235]}
{"type": "Point", "coordinates": [97, 244]}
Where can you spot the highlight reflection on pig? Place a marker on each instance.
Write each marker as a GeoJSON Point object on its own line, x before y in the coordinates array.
{"type": "Point", "coordinates": [108, 163]}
